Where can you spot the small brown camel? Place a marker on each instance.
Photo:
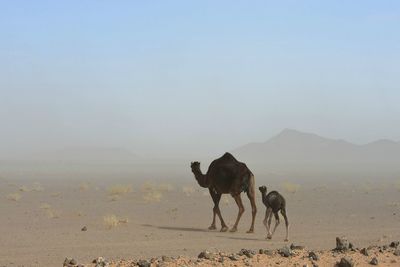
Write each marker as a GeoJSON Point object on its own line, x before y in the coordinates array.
{"type": "Point", "coordinates": [226, 175]}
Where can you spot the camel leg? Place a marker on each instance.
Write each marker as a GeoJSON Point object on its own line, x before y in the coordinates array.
{"type": "Point", "coordinates": [276, 223]}
{"type": "Point", "coordinates": [252, 197]}
{"type": "Point", "coordinates": [283, 212]}
{"type": "Point", "coordinates": [265, 222]}
{"type": "Point", "coordinates": [238, 200]}
{"type": "Point", "coordinates": [269, 235]}
{"type": "Point", "coordinates": [268, 214]}
{"type": "Point", "coordinates": [224, 227]}
{"type": "Point", "coordinates": [216, 201]}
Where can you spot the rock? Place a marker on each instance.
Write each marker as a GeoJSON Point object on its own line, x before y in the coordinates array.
{"type": "Point", "coordinates": [314, 264]}
{"type": "Point", "coordinates": [70, 262]}
{"type": "Point", "coordinates": [84, 229]}
{"type": "Point", "coordinates": [342, 244]}
{"type": "Point", "coordinates": [345, 262]}
{"type": "Point", "coordinates": [397, 252]}
{"type": "Point", "coordinates": [364, 251]}
{"type": "Point", "coordinates": [247, 252]}
{"type": "Point", "coordinates": [143, 263]}
{"type": "Point", "coordinates": [268, 252]}
{"type": "Point", "coordinates": [100, 262]}
{"type": "Point", "coordinates": [374, 261]}
{"type": "Point", "coordinates": [285, 251]}
{"type": "Point", "coordinates": [312, 255]}
{"type": "Point", "coordinates": [205, 254]}
{"type": "Point", "coordinates": [165, 258]}
{"type": "Point", "coordinates": [234, 257]}
{"type": "Point", "coordinates": [296, 247]}
{"type": "Point", "coordinates": [394, 244]}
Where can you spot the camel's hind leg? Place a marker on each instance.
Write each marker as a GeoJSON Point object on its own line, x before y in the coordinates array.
{"type": "Point", "coordinates": [238, 200]}
{"type": "Point", "coordinates": [276, 222]}
{"type": "Point", "coordinates": [283, 212]}
{"type": "Point", "coordinates": [252, 197]}
{"type": "Point", "coordinates": [269, 235]}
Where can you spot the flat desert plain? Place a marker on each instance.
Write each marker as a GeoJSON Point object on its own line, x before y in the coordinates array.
{"type": "Point", "coordinates": [140, 216]}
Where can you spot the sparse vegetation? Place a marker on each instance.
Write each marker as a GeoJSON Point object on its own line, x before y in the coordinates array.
{"type": "Point", "coordinates": [52, 214]}
{"type": "Point", "coordinates": [37, 187]}
{"type": "Point", "coordinates": [188, 190]}
{"type": "Point", "coordinates": [24, 189]}
{"type": "Point", "coordinates": [14, 196]}
{"type": "Point", "coordinates": [119, 189]}
{"type": "Point", "coordinates": [45, 206]}
{"type": "Point", "coordinates": [225, 200]}
{"type": "Point", "coordinates": [111, 221]}
{"type": "Point", "coordinates": [289, 187]}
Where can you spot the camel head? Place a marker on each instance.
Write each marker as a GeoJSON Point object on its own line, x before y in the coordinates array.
{"type": "Point", "coordinates": [263, 189]}
{"type": "Point", "coordinates": [195, 166]}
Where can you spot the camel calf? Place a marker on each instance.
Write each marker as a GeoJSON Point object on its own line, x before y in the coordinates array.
{"type": "Point", "coordinates": [274, 202]}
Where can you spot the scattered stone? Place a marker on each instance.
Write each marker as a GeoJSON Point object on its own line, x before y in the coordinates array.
{"type": "Point", "coordinates": [342, 244]}
{"type": "Point", "coordinates": [364, 251]}
{"type": "Point", "coordinates": [100, 262]}
{"type": "Point", "coordinates": [314, 264]}
{"type": "Point", "coordinates": [312, 255]}
{"type": "Point", "coordinates": [397, 252]}
{"type": "Point", "coordinates": [70, 262]}
{"type": "Point", "coordinates": [374, 261]}
{"type": "Point", "coordinates": [205, 255]}
{"type": "Point", "coordinates": [394, 244]}
{"type": "Point", "coordinates": [285, 251]}
{"type": "Point", "coordinates": [247, 252]}
{"type": "Point", "coordinates": [345, 262]}
{"type": "Point", "coordinates": [84, 229]}
{"type": "Point", "coordinates": [296, 247]}
{"type": "Point", "coordinates": [234, 257]}
{"type": "Point", "coordinates": [143, 263]}
{"type": "Point", "coordinates": [165, 258]}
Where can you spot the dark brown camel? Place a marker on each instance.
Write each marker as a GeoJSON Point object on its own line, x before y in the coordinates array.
{"type": "Point", "coordinates": [274, 202]}
{"type": "Point", "coordinates": [226, 175]}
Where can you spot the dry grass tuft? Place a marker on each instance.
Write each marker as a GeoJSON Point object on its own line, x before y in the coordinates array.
{"type": "Point", "coordinates": [173, 213]}
{"type": "Point", "coordinates": [119, 189]}
{"type": "Point", "coordinates": [45, 206]}
{"type": "Point", "coordinates": [225, 200]}
{"type": "Point", "coordinates": [37, 187]}
{"type": "Point", "coordinates": [290, 187]}
{"type": "Point", "coordinates": [52, 214]}
{"type": "Point", "coordinates": [24, 189]}
{"type": "Point", "coordinates": [152, 196]}
{"type": "Point", "coordinates": [14, 196]}
{"type": "Point", "coordinates": [188, 190]}
{"type": "Point", "coordinates": [111, 221]}
{"type": "Point", "coordinates": [154, 193]}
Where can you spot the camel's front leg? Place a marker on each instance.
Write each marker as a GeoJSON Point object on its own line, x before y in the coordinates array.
{"type": "Point", "coordinates": [276, 223]}
{"type": "Point", "coordinates": [238, 200]}
{"type": "Point", "coordinates": [269, 235]}
{"type": "Point", "coordinates": [265, 222]}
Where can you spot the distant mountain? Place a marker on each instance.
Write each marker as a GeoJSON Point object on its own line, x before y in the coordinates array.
{"type": "Point", "coordinates": [291, 146]}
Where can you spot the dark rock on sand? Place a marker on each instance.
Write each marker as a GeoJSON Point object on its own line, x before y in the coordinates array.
{"type": "Point", "coordinates": [296, 247]}
{"type": "Point", "coordinates": [345, 262]}
{"type": "Point", "coordinates": [234, 257]}
{"type": "Point", "coordinates": [143, 263]}
{"type": "Point", "coordinates": [312, 255]}
{"type": "Point", "coordinates": [84, 229]}
{"type": "Point", "coordinates": [285, 251]}
{"type": "Point", "coordinates": [247, 252]}
{"type": "Point", "coordinates": [397, 252]}
{"type": "Point", "coordinates": [364, 251]}
{"type": "Point", "coordinates": [394, 244]}
{"type": "Point", "coordinates": [374, 261]}
{"type": "Point", "coordinates": [342, 244]}
{"type": "Point", "coordinates": [205, 255]}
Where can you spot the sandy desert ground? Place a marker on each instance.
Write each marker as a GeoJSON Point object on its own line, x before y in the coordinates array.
{"type": "Point", "coordinates": [140, 217]}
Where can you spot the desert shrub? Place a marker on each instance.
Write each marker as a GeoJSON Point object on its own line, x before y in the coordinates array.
{"type": "Point", "coordinates": [14, 196]}
{"type": "Point", "coordinates": [289, 187]}
{"type": "Point", "coordinates": [119, 189]}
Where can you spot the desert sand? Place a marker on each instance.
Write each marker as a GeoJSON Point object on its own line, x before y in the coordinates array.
{"type": "Point", "coordinates": [141, 216]}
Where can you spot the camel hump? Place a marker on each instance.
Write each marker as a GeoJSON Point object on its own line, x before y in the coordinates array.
{"type": "Point", "coordinates": [228, 156]}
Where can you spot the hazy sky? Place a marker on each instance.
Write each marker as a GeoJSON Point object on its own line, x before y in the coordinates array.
{"type": "Point", "coordinates": [195, 77]}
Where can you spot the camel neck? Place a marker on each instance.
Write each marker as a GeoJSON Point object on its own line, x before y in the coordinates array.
{"type": "Point", "coordinates": [201, 178]}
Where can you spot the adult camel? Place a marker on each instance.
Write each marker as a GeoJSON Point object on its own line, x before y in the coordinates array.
{"type": "Point", "coordinates": [226, 175]}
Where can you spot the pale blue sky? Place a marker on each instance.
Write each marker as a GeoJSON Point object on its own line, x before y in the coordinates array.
{"type": "Point", "coordinates": [186, 77]}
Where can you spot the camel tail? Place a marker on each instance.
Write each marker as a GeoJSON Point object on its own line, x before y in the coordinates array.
{"type": "Point", "coordinates": [248, 183]}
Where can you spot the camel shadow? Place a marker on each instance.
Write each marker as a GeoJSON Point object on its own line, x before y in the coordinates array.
{"type": "Point", "coordinates": [171, 228]}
